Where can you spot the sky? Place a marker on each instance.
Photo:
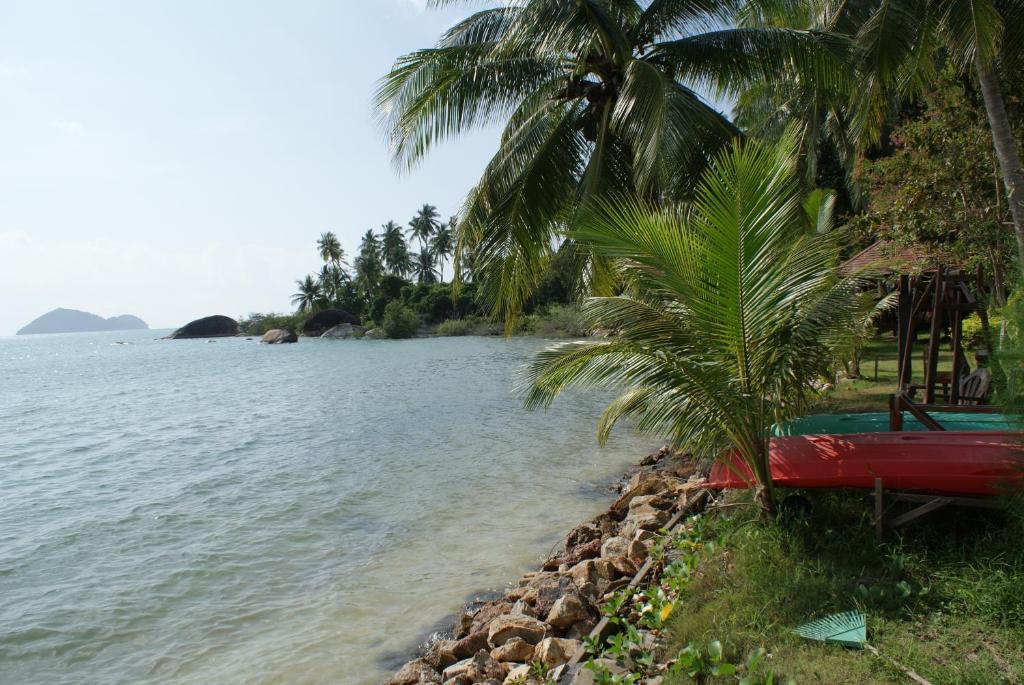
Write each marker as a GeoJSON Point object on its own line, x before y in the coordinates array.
{"type": "Point", "coordinates": [174, 159]}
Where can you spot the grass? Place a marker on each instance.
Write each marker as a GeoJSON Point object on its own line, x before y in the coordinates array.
{"type": "Point", "coordinates": [945, 599]}
{"type": "Point", "coordinates": [878, 361]}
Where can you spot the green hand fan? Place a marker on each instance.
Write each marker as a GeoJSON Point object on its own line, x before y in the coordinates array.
{"type": "Point", "coordinates": [848, 629]}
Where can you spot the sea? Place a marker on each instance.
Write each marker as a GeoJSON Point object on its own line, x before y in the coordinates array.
{"type": "Point", "coordinates": [221, 511]}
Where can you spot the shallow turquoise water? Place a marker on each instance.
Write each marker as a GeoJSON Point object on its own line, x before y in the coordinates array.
{"type": "Point", "coordinates": [194, 512]}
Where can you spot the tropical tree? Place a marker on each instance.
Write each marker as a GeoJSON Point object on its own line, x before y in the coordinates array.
{"type": "Point", "coordinates": [442, 245]}
{"type": "Point", "coordinates": [394, 250]}
{"type": "Point", "coordinates": [332, 281]}
{"type": "Point", "coordinates": [426, 222]}
{"type": "Point", "coordinates": [900, 48]}
{"type": "Point", "coordinates": [330, 249]}
{"type": "Point", "coordinates": [369, 264]}
{"type": "Point", "coordinates": [424, 267]}
{"type": "Point", "coordinates": [734, 305]}
{"type": "Point", "coordinates": [598, 97]}
{"type": "Point", "coordinates": [307, 298]}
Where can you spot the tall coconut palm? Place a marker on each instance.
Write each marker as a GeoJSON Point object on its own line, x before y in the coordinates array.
{"type": "Point", "coordinates": [736, 306]}
{"type": "Point", "coordinates": [597, 96]}
{"type": "Point", "coordinates": [395, 250]}
{"type": "Point", "coordinates": [308, 296]}
{"type": "Point", "coordinates": [424, 267]}
{"type": "Point", "coordinates": [330, 249]}
{"type": "Point", "coordinates": [369, 264]}
{"type": "Point", "coordinates": [425, 224]}
{"type": "Point", "coordinates": [442, 245]}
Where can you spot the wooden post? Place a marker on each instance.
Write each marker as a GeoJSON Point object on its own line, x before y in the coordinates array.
{"type": "Point", "coordinates": [895, 413]}
{"type": "Point", "coordinates": [931, 369]}
{"type": "Point", "coordinates": [958, 351]}
{"type": "Point", "coordinates": [876, 369]}
{"type": "Point", "coordinates": [903, 327]}
{"type": "Point", "coordinates": [879, 510]}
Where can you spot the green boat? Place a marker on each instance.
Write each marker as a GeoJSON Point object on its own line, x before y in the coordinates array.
{"type": "Point", "coordinates": [878, 422]}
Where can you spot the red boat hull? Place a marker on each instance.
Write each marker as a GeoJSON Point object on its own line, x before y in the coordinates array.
{"type": "Point", "coordinates": [947, 462]}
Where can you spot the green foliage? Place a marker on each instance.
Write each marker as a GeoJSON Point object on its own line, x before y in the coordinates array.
{"type": "Point", "coordinates": [258, 324]}
{"type": "Point", "coordinates": [940, 188]}
{"type": "Point", "coordinates": [1009, 356]}
{"type": "Point", "coordinates": [399, 321]}
{"type": "Point", "coordinates": [556, 321]}
{"type": "Point", "coordinates": [734, 307]}
{"type": "Point", "coordinates": [456, 327]}
{"type": "Point", "coordinates": [974, 335]}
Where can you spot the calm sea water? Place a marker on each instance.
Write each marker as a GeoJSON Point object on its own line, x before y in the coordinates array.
{"type": "Point", "coordinates": [194, 512]}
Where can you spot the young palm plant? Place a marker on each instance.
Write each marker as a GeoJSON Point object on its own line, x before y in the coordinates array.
{"type": "Point", "coordinates": [733, 305]}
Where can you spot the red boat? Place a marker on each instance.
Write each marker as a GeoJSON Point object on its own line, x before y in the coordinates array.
{"type": "Point", "coordinates": [946, 462]}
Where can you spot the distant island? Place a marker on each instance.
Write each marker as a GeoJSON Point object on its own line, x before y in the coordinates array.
{"type": "Point", "coordinates": [73, 321]}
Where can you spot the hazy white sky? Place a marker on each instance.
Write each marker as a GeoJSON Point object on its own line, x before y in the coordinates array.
{"type": "Point", "coordinates": [178, 158]}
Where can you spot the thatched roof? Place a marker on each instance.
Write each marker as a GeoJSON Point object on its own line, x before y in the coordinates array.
{"type": "Point", "coordinates": [887, 258]}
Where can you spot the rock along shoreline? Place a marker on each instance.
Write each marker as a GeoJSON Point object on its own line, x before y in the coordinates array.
{"type": "Point", "coordinates": [545, 616]}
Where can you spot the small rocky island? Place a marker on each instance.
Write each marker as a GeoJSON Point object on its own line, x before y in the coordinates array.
{"type": "Point", "coordinates": [62, 320]}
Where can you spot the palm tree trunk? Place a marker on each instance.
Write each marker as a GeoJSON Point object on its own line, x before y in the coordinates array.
{"type": "Point", "coordinates": [764, 490]}
{"type": "Point", "coordinates": [1006, 148]}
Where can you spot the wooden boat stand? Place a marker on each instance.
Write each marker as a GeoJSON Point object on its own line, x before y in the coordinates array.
{"type": "Point", "coordinates": [926, 505]}
{"type": "Point", "coordinates": [931, 296]}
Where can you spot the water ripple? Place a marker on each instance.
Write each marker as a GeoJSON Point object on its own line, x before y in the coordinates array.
{"type": "Point", "coordinates": [176, 512]}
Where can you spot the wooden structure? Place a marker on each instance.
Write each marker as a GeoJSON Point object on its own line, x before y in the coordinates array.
{"type": "Point", "coordinates": [926, 505]}
{"type": "Point", "coordinates": [939, 297]}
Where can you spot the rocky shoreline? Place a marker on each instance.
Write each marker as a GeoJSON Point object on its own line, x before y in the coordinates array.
{"type": "Point", "coordinates": [546, 615]}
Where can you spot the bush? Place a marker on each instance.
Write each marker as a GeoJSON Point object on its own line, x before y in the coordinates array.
{"type": "Point", "coordinates": [399, 321]}
{"type": "Point", "coordinates": [560, 321]}
{"type": "Point", "coordinates": [258, 324]}
{"type": "Point", "coordinates": [974, 335]}
{"type": "Point", "coordinates": [457, 327]}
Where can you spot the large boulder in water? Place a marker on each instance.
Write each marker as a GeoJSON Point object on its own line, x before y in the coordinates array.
{"type": "Point", "coordinates": [216, 326]}
{"type": "Point", "coordinates": [324, 320]}
{"type": "Point", "coordinates": [277, 336]}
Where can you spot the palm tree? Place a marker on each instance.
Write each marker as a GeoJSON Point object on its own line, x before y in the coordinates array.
{"type": "Point", "coordinates": [424, 267]}
{"type": "Point", "coordinates": [369, 263]}
{"type": "Point", "coordinates": [442, 245]}
{"type": "Point", "coordinates": [424, 224]}
{"type": "Point", "coordinates": [330, 249]}
{"type": "Point", "coordinates": [394, 250]}
{"type": "Point", "coordinates": [736, 306]}
{"type": "Point", "coordinates": [308, 296]}
{"type": "Point", "coordinates": [332, 282]}
{"type": "Point", "coordinates": [598, 97]}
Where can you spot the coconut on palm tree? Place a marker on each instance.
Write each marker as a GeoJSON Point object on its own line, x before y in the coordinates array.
{"type": "Point", "coordinates": [597, 97]}
{"type": "Point", "coordinates": [307, 298]}
{"type": "Point", "coordinates": [734, 306]}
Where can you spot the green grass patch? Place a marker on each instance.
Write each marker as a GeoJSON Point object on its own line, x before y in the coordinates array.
{"type": "Point", "coordinates": [878, 378]}
{"type": "Point", "coordinates": [946, 598]}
